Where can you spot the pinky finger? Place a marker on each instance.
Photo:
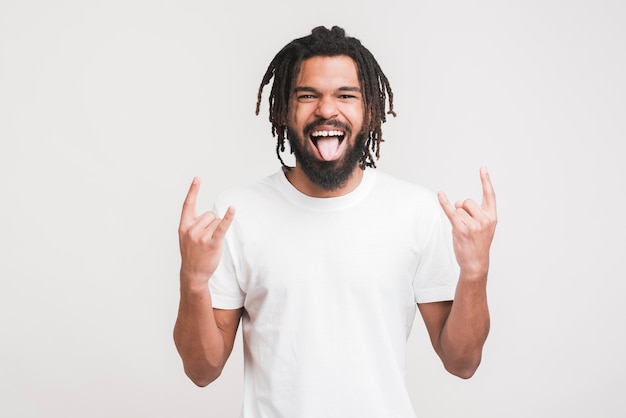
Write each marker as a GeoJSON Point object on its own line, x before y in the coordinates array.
{"type": "Point", "coordinates": [446, 205]}
{"type": "Point", "coordinates": [224, 224]}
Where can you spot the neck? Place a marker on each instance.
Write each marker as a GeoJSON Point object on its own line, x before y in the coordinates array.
{"type": "Point", "coordinates": [301, 181]}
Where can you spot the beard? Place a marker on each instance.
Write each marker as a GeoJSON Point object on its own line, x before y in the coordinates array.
{"type": "Point", "coordinates": [328, 175]}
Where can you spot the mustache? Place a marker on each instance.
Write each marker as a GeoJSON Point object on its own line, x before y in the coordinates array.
{"type": "Point", "coordinates": [308, 128]}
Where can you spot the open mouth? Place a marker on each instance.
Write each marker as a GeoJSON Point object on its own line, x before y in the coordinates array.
{"type": "Point", "coordinates": [327, 142]}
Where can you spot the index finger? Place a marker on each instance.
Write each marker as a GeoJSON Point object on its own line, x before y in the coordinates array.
{"type": "Point", "coordinates": [489, 195]}
{"type": "Point", "coordinates": [189, 206]}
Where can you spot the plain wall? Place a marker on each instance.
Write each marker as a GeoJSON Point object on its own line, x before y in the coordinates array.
{"type": "Point", "coordinates": [109, 108]}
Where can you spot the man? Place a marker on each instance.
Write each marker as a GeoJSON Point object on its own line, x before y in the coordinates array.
{"type": "Point", "coordinates": [327, 262]}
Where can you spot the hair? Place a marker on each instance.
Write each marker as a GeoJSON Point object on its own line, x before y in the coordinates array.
{"type": "Point", "coordinates": [286, 66]}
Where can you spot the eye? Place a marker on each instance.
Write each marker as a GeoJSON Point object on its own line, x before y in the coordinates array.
{"type": "Point", "coordinates": [305, 97]}
{"type": "Point", "coordinates": [347, 95]}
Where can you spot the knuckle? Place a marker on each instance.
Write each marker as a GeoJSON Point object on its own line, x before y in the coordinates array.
{"type": "Point", "coordinates": [205, 239]}
{"type": "Point", "coordinates": [183, 231]}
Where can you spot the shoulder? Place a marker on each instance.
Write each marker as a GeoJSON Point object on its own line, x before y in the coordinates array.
{"type": "Point", "coordinates": [406, 202]}
{"type": "Point", "coordinates": [249, 195]}
{"type": "Point", "coordinates": [401, 190]}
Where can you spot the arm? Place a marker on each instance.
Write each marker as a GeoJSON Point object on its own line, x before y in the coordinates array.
{"type": "Point", "coordinates": [204, 336]}
{"type": "Point", "coordinates": [459, 329]}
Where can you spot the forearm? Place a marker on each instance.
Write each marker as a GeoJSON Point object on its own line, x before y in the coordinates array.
{"type": "Point", "coordinates": [198, 339]}
{"type": "Point", "coordinates": [466, 328]}
{"type": "Point", "coordinates": [464, 331]}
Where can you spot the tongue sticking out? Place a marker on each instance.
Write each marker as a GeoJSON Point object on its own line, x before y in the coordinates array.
{"type": "Point", "coordinates": [328, 147]}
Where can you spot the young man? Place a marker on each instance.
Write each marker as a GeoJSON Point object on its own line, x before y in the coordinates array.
{"type": "Point", "coordinates": [327, 262]}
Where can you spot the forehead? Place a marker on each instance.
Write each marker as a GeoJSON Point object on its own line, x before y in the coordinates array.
{"type": "Point", "coordinates": [328, 72]}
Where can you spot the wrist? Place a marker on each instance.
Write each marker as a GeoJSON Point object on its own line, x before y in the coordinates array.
{"type": "Point", "coordinates": [193, 283]}
{"type": "Point", "coordinates": [473, 275]}
{"type": "Point", "coordinates": [194, 294]}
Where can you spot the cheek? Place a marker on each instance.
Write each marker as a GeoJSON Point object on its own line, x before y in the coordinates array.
{"type": "Point", "coordinates": [356, 114]}
{"type": "Point", "coordinates": [297, 116]}
{"type": "Point", "coordinates": [357, 120]}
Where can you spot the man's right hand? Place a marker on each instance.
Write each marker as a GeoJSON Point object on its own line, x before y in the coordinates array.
{"type": "Point", "coordinates": [200, 240]}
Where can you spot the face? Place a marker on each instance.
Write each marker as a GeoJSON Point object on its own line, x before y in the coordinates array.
{"type": "Point", "coordinates": [326, 120]}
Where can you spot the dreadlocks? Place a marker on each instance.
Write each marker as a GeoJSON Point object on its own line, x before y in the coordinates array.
{"type": "Point", "coordinates": [285, 68]}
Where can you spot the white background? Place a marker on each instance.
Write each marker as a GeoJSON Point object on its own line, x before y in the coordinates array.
{"type": "Point", "coordinates": [109, 108]}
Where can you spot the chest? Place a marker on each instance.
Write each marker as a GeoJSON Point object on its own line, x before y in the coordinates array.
{"type": "Point", "coordinates": [333, 256]}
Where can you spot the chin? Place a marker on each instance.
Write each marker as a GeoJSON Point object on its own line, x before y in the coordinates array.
{"type": "Point", "coordinates": [328, 175]}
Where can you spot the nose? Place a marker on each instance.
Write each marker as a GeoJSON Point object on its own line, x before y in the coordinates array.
{"type": "Point", "coordinates": [326, 108]}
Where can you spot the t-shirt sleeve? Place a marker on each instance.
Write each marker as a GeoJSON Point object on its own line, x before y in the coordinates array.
{"type": "Point", "coordinates": [226, 292]}
{"type": "Point", "coordinates": [437, 271]}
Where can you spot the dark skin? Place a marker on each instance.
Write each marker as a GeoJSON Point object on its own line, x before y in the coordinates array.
{"type": "Point", "coordinates": [205, 336]}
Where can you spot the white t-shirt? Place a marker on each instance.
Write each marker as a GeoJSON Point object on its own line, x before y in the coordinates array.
{"type": "Point", "coordinates": [329, 287]}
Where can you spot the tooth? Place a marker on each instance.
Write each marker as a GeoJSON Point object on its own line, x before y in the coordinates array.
{"type": "Point", "coordinates": [327, 133]}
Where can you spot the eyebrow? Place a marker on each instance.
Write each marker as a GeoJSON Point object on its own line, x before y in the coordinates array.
{"type": "Point", "coordinates": [313, 90]}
